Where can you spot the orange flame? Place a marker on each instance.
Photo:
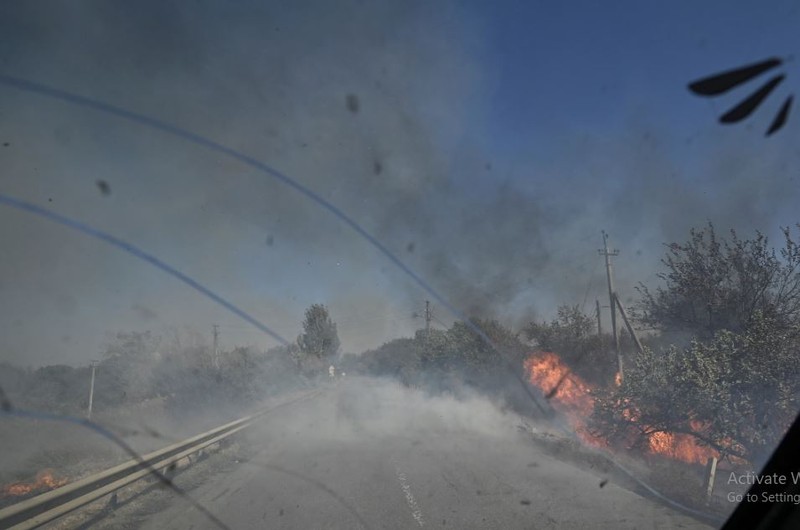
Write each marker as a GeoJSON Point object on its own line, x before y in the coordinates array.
{"type": "Point", "coordinates": [568, 393]}
{"type": "Point", "coordinates": [681, 446]}
{"type": "Point", "coordinates": [572, 396]}
{"type": "Point", "coordinates": [45, 480]}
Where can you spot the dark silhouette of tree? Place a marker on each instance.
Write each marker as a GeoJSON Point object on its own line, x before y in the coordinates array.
{"type": "Point", "coordinates": [319, 342]}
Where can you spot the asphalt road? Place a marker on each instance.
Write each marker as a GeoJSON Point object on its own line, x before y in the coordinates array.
{"type": "Point", "coordinates": [367, 455]}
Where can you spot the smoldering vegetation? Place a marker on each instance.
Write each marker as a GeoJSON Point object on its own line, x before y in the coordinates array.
{"type": "Point", "coordinates": [149, 390]}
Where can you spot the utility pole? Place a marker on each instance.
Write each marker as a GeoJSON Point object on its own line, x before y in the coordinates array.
{"type": "Point", "coordinates": [426, 339]}
{"type": "Point", "coordinates": [611, 297]}
{"type": "Point", "coordinates": [91, 391]}
{"type": "Point", "coordinates": [428, 316]}
{"type": "Point", "coordinates": [597, 313]}
{"type": "Point", "coordinates": [216, 345]}
{"type": "Point", "coordinates": [628, 324]}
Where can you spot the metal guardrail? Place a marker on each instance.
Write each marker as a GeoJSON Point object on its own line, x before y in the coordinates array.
{"type": "Point", "coordinates": [48, 506]}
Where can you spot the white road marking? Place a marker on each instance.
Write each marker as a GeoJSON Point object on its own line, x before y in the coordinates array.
{"type": "Point", "coordinates": [416, 513]}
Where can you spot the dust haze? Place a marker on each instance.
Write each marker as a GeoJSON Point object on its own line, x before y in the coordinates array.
{"type": "Point", "coordinates": [372, 408]}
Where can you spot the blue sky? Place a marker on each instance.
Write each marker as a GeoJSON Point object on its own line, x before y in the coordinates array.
{"type": "Point", "coordinates": [493, 142]}
{"type": "Point", "coordinates": [592, 60]}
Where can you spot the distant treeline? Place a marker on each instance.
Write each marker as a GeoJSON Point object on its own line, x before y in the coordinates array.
{"type": "Point", "coordinates": [139, 366]}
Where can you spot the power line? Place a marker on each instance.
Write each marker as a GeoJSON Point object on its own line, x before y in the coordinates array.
{"type": "Point", "coordinates": [588, 287]}
{"type": "Point", "coordinates": [440, 322]}
{"type": "Point", "coordinates": [404, 314]}
{"type": "Point", "coordinates": [361, 325]}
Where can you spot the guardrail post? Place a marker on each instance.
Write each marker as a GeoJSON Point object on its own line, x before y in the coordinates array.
{"type": "Point", "coordinates": [711, 471]}
{"type": "Point", "coordinates": [113, 502]}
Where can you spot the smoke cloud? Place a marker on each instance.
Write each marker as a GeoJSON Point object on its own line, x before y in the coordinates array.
{"type": "Point", "coordinates": [381, 108]}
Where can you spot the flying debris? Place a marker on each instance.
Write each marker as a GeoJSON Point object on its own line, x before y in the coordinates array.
{"type": "Point", "coordinates": [723, 82]}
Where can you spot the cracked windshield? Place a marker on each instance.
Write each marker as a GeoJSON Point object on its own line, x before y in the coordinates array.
{"type": "Point", "coordinates": [396, 264]}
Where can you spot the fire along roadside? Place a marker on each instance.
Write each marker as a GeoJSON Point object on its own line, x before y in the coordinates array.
{"type": "Point", "coordinates": [750, 478]}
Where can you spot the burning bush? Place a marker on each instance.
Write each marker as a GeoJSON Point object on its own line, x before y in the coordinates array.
{"type": "Point", "coordinates": [732, 385]}
{"type": "Point", "coordinates": [721, 393]}
{"type": "Point", "coordinates": [735, 386]}
{"type": "Point", "coordinates": [573, 335]}
{"type": "Point", "coordinates": [568, 393]}
{"type": "Point", "coordinates": [581, 403]}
